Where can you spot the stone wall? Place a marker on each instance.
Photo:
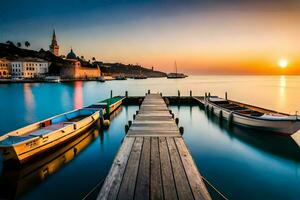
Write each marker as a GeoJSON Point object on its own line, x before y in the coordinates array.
{"type": "Point", "coordinates": [79, 72]}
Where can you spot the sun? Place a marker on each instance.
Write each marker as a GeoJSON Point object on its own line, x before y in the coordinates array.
{"type": "Point", "coordinates": [283, 63]}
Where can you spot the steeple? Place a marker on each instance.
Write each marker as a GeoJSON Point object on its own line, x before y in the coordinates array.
{"type": "Point", "coordinates": [54, 42]}
{"type": "Point", "coordinates": [54, 48]}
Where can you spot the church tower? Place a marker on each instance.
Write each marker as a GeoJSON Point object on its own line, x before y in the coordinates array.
{"type": "Point", "coordinates": [54, 48]}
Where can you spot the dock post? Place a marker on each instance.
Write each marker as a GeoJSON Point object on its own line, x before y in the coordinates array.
{"type": "Point", "coordinates": [129, 123]}
{"type": "Point", "coordinates": [133, 117]}
{"type": "Point", "coordinates": [178, 93]}
{"type": "Point", "coordinates": [181, 130]}
{"type": "Point", "coordinates": [209, 95]}
{"type": "Point", "coordinates": [126, 94]}
{"type": "Point", "coordinates": [177, 121]}
{"type": "Point", "coordinates": [148, 91]}
{"type": "Point", "coordinates": [191, 93]}
{"type": "Point", "coordinates": [126, 128]}
{"type": "Point", "coordinates": [111, 94]}
{"type": "Point", "coordinates": [226, 95]}
{"type": "Point", "coordinates": [101, 117]}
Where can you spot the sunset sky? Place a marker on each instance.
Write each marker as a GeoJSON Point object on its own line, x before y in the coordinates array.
{"type": "Point", "coordinates": [204, 37]}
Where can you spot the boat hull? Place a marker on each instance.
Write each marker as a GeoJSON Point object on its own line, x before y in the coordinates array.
{"type": "Point", "coordinates": [285, 127]}
{"type": "Point", "coordinates": [22, 152]}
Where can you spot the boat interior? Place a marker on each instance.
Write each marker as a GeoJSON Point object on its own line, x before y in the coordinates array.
{"type": "Point", "coordinates": [243, 108]}
{"type": "Point", "coordinates": [46, 126]}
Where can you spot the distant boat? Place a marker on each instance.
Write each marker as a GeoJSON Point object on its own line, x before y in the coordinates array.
{"type": "Point", "coordinates": [176, 74]}
{"type": "Point", "coordinates": [252, 116]}
{"type": "Point", "coordinates": [29, 141]}
{"type": "Point", "coordinates": [140, 77]}
{"type": "Point", "coordinates": [52, 79]}
{"type": "Point", "coordinates": [101, 79]}
{"type": "Point", "coordinates": [121, 77]}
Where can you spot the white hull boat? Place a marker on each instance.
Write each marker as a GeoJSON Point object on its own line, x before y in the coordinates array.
{"type": "Point", "coordinates": [252, 116]}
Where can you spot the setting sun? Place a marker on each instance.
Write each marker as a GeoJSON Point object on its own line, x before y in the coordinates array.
{"type": "Point", "coordinates": [283, 63]}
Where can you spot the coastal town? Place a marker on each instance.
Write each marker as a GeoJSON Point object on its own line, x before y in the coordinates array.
{"type": "Point", "coordinates": [24, 65]}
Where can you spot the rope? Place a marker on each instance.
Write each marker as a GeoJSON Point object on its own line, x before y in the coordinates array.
{"type": "Point", "coordinates": [93, 190]}
{"type": "Point", "coordinates": [220, 193]}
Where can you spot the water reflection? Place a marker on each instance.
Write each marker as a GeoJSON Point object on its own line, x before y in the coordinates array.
{"type": "Point", "coordinates": [29, 101]}
{"type": "Point", "coordinates": [282, 94]}
{"type": "Point", "coordinates": [278, 145]}
{"type": "Point", "coordinates": [78, 94]}
{"type": "Point", "coordinates": [15, 182]}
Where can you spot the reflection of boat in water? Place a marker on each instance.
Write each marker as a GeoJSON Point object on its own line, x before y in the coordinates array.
{"type": "Point", "coordinates": [278, 145]}
{"type": "Point", "coordinates": [27, 142]}
{"type": "Point", "coordinates": [252, 116]}
{"type": "Point", "coordinates": [15, 182]}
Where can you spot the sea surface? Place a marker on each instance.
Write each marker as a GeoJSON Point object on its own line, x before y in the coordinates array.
{"type": "Point", "coordinates": [240, 163]}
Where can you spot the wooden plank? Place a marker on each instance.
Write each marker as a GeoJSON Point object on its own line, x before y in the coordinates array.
{"type": "Point", "coordinates": [166, 171]}
{"type": "Point", "coordinates": [129, 179]}
{"type": "Point", "coordinates": [181, 181]}
{"type": "Point", "coordinates": [156, 191]}
{"type": "Point", "coordinates": [142, 190]}
{"type": "Point", "coordinates": [112, 182]}
{"type": "Point", "coordinates": [197, 185]}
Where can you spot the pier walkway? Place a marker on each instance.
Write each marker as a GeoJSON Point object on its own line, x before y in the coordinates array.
{"type": "Point", "coordinates": [153, 161]}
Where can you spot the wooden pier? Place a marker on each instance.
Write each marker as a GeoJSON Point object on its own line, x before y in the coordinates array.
{"type": "Point", "coordinates": [153, 161]}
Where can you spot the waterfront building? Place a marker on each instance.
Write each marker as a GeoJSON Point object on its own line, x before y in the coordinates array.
{"type": "Point", "coordinates": [29, 68]}
{"type": "Point", "coordinates": [75, 70]}
{"type": "Point", "coordinates": [54, 48]}
{"type": "Point", "coordinates": [5, 68]}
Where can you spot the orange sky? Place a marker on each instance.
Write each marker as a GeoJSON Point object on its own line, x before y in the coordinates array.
{"type": "Point", "coordinates": [203, 37]}
{"type": "Point", "coordinates": [210, 42]}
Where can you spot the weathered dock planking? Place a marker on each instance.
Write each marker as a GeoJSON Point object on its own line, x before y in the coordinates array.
{"type": "Point", "coordinates": [153, 162]}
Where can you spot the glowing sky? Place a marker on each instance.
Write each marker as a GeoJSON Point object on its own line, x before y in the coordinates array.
{"type": "Point", "coordinates": [204, 37]}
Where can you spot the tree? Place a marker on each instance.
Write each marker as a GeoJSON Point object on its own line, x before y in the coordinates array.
{"type": "Point", "coordinates": [19, 44]}
{"type": "Point", "coordinates": [10, 43]}
{"type": "Point", "coordinates": [27, 44]}
{"type": "Point", "coordinates": [82, 57]}
{"type": "Point", "coordinates": [94, 59]}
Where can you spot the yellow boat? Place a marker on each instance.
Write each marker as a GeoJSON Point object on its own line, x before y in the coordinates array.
{"type": "Point", "coordinates": [23, 144]}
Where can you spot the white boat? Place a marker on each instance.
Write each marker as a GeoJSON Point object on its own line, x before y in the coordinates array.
{"type": "Point", "coordinates": [176, 75]}
{"type": "Point", "coordinates": [252, 116]}
{"type": "Point", "coordinates": [22, 144]}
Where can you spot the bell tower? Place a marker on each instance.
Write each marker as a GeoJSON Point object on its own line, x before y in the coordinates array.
{"type": "Point", "coordinates": [54, 48]}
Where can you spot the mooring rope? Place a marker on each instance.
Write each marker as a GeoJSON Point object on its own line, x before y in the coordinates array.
{"type": "Point", "coordinates": [93, 190]}
{"type": "Point", "coordinates": [220, 193]}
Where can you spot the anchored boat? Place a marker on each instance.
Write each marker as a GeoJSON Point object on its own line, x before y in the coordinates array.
{"type": "Point", "coordinates": [252, 116]}
{"type": "Point", "coordinates": [29, 141]}
{"type": "Point", "coordinates": [109, 105]}
{"type": "Point", "coordinates": [176, 75]}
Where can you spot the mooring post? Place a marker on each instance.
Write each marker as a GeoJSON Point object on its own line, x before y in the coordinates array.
{"type": "Point", "coordinates": [133, 117]}
{"type": "Point", "coordinates": [148, 91]}
{"type": "Point", "coordinates": [129, 123]}
{"type": "Point", "coordinates": [209, 95]}
{"type": "Point", "coordinates": [126, 94]}
{"type": "Point", "coordinates": [191, 93]}
{"type": "Point", "coordinates": [101, 117]}
{"type": "Point", "coordinates": [226, 95]}
{"type": "Point", "coordinates": [111, 94]}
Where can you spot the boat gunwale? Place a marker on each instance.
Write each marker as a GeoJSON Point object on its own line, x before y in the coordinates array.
{"type": "Point", "coordinates": [41, 136]}
{"type": "Point", "coordinates": [256, 118]}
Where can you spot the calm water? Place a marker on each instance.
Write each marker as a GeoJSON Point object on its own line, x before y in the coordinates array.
{"type": "Point", "coordinates": [243, 164]}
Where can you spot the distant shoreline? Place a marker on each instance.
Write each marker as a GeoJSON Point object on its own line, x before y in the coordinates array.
{"type": "Point", "coordinates": [7, 81]}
